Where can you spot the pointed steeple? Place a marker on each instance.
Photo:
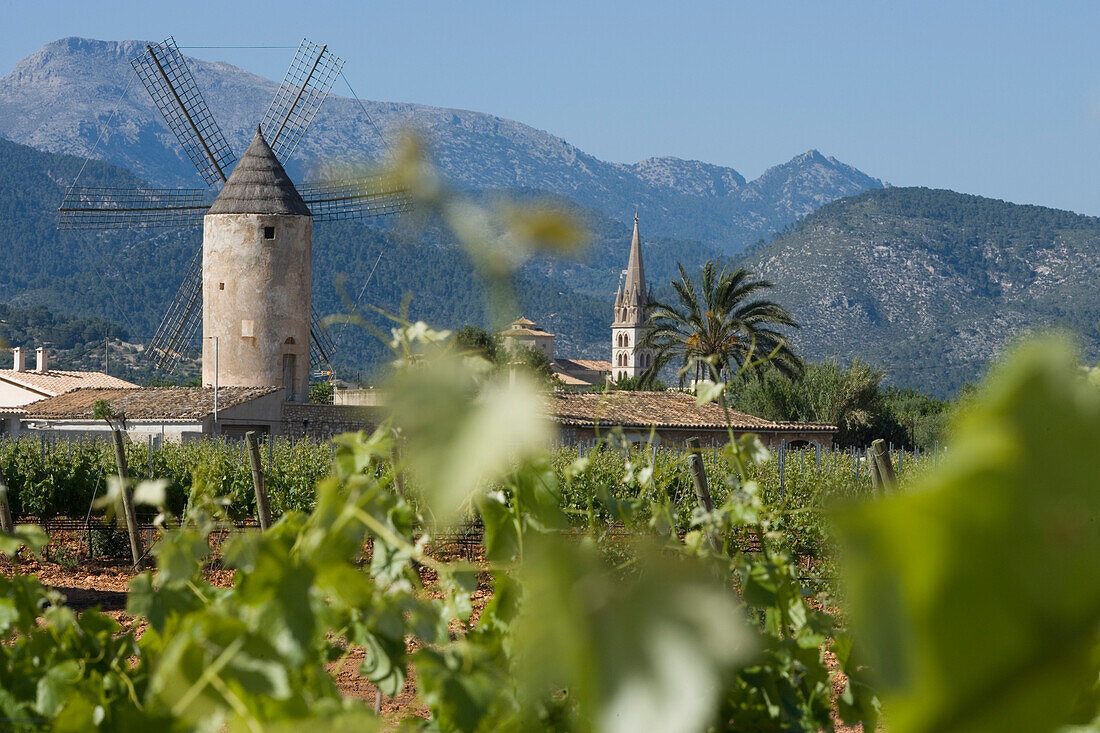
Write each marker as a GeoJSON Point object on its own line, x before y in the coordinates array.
{"type": "Point", "coordinates": [634, 288]}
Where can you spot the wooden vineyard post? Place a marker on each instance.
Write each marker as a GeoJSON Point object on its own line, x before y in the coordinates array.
{"type": "Point", "coordinates": [127, 498]}
{"type": "Point", "coordinates": [884, 465]}
{"type": "Point", "coordinates": [699, 478]}
{"type": "Point", "coordinates": [872, 469]}
{"type": "Point", "coordinates": [263, 510]}
{"type": "Point", "coordinates": [5, 508]}
{"type": "Point", "coordinates": [395, 460]}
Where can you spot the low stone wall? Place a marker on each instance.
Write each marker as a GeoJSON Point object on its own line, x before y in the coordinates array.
{"type": "Point", "coordinates": [306, 420]}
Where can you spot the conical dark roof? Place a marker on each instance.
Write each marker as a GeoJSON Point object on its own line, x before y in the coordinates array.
{"type": "Point", "coordinates": [259, 185]}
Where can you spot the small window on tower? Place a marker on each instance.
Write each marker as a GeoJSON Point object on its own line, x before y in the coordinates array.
{"type": "Point", "coordinates": [269, 232]}
{"type": "Point", "coordinates": [221, 286]}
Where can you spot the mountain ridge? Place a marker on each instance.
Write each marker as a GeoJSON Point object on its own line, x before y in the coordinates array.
{"type": "Point", "coordinates": [933, 284]}
{"type": "Point", "coordinates": [60, 97]}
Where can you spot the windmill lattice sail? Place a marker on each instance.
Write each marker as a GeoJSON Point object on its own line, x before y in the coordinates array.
{"type": "Point", "coordinates": [321, 347]}
{"type": "Point", "coordinates": [90, 207]}
{"type": "Point", "coordinates": [167, 78]}
{"type": "Point", "coordinates": [304, 88]}
{"type": "Point", "coordinates": [180, 322]}
{"type": "Point", "coordinates": [355, 198]}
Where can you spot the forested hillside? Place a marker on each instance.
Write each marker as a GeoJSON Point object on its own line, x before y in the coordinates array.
{"type": "Point", "coordinates": [933, 284]}
{"type": "Point", "coordinates": [129, 277]}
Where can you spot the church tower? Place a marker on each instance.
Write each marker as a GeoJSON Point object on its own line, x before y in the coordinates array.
{"type": "Point", "coordinates": [632, 304]}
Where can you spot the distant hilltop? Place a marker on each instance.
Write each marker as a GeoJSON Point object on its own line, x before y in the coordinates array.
{"type": "Point", "coordinates": [57, 98]}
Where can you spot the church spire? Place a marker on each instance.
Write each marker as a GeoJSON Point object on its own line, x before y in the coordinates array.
{"type": "Point", "coordinates": [629, 356]}
{"type": "Point", "coordinates": [634, 284]}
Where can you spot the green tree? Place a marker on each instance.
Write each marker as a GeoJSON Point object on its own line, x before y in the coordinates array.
{"type": "Point", "coordinates": [320, 393]}
{"type": "Point", "coordinates": [535, 363]}
{"type": "Point", "coordinates": [640, 384]}
{"type": "Point", "coordinates": [721, 326]}
{"type": "Point", "coordinates": [476, 340]}
{"type": "Point", "coordinates": [849, 398]}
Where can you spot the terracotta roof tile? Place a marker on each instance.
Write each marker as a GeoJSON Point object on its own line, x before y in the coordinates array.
{"type": "Point", "coordinates": [57, 381]}
{"type": "Point", "coordinates": [569, 380]}
{"type": "Point", "coordinates": [147, 403]}
{"type": "Point", "coordinates": [592, 365]}
{"type": "Point", "coordinates": [657, 409]}
{"type": "Point", "coordinates": [524, 332]}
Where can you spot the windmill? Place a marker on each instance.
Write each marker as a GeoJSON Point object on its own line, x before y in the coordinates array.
{"type": "Point", "coordinates": [163, 71]}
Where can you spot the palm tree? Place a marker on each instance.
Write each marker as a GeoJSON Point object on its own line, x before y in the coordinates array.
{"type": "Point", "coordinates": [722, 332]}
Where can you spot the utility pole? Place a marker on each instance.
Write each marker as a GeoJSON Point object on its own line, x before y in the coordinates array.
{"type": "Point", "coordinates": [215, 381]}
{"type": "Point", "coordinates": [106, 350]}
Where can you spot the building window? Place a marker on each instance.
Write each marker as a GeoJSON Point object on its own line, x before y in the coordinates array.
{"type": "Point", "coordinates": [221, 286]}
{"type": "Point", "coordinates": [269, 232]}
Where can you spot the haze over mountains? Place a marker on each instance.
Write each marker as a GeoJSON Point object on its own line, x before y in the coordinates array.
{"type": "Point", "coordinates": [929, 284]}
{"type": "Point", "coordinates": [60, 97]}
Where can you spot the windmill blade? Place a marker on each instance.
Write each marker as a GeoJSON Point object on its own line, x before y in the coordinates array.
{"type": "Point", "coordinates": [304, 88]}
{"type": "Point", "coordinates": [164, 72]}
{"type": "Point", "coordinates": [321, 347]}
{"type": "Point", "coordinates": [180, 321]}
{"type": "Point", "coordinates": [90, 207]}
{"type": "Point", "coordinates": [355, 198]}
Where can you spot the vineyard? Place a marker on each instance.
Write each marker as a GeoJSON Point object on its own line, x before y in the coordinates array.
{"type": "Point", "coordinates": [603, 597]}
{"type": "Point", "coordinates": [50, 477]}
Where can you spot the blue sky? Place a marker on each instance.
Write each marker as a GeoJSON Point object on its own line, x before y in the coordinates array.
{"type": "Point", "coordinates": [995, 98]}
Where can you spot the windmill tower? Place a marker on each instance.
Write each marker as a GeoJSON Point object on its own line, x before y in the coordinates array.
{"type": "Point", "coordinates": [632, 303]}
{"type": "Point", "coordinates": [250, 283]}
{"type": "Point", "coordinates": [257, 252]}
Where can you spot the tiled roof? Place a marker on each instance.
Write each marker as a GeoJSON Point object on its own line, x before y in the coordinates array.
{"type": "Point", "coordinates": [56, 381]}
{"type": "Point", "coordinates": [590, 365]}
{"type": "Point", "coordinates": [521, 321]}
{"type": "Point", "coordinates": [148, 403]}
{"type": "Point", "coordinates": [524, 332]}
{"type": "Point", "coordinates": [570, 381]}
{"type": "Point", "coordinates": [657, 409]}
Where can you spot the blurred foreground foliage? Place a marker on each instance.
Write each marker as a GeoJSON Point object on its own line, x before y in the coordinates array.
{"type": "Point", "coordinates": [973, 596]}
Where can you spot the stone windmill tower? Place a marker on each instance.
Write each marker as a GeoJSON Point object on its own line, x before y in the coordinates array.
{"type": "Point", "coordinates": [257, 254]}
{"type": "Point", "coordinates": [251, 280]}
{"type": "Point", "coordinates": [632, 304]}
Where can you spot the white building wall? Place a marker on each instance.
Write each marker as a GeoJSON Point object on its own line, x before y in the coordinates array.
{"type": "Point", "coordinates": [13, 395]}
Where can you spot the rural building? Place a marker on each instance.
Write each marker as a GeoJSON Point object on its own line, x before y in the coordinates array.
{"type": "Point", "coordinates": [672, 417]}
{"type": "Point", "coordinates": [524, 332]}
{"type": "Point", "coordinates": [581, 374]}
{"type": "Point", "coordinates": [20, 386]}
{"type": "Point", "coordinates": [572, 374]}
{"type": "Point", "coordinates": [173, 413]}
